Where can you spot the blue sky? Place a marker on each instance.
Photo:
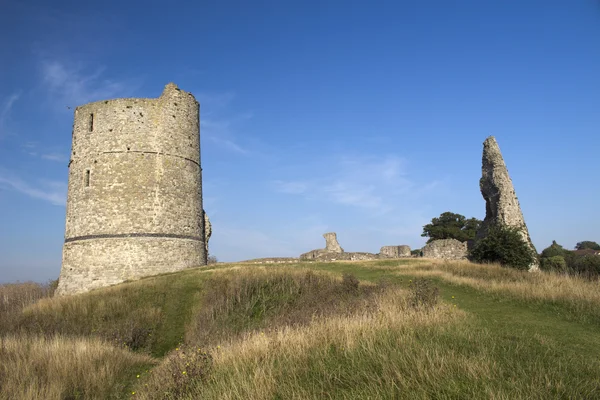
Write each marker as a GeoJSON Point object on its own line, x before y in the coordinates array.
{"type": "Point", "coordinates": [363, 118]}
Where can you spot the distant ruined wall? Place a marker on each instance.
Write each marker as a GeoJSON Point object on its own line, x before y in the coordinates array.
{"type": "Point", "coordinates": [134, 203]}
{"type": "Point", "coordinates": [334, 252]}
{"type": "Point", "coordinates": [395, 251]}
{"type": "Point", "coordinates": [451, 249]}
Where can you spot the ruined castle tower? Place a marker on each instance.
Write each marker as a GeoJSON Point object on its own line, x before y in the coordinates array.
{"type": "Point", "coordinates": [134, 204]}
{"type": "Point", "coordinates": [501, 204]}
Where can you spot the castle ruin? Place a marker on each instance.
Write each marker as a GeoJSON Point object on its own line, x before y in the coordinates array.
{"type": "Point", "coordinates": [134, 203]}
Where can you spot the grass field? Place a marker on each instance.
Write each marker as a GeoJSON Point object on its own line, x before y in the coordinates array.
{"type": "Point", "coordinates": [411, 329]}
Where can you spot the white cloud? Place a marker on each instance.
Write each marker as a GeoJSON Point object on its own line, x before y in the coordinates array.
{"type": "Point", "coordinates": [291, 187]}
{"type": "Point", "coordinates": [213, 101]}
{"type": "Point", "coordinates": [49, 153]}
{"type": "Point", "coordinates": [367, 182]}
{"type": "Point", "coordinates": [221, 132]}
{"type": "Point", "coordinates": [228, 144]}
{"type": "Point", "coordinates": [55, 157]}
{"type": "Point", "coordinates": [71, 86]}
{"type": "Point", "coordinates": [54, 192]}
{"type": "Point", "coordinates": [5, 111]}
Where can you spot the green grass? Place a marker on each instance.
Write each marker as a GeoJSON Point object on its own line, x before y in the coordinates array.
{"type": "Point", "coordinates": [507, 319]}
{"type": "Point", "coordinates": [255, 331]}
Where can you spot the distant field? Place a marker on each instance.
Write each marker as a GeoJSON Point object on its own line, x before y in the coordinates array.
{"type": "Point", "coordinates": [412, 329]}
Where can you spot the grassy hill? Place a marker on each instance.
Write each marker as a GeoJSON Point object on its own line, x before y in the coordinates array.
{"type": "Point", "coordinates": [413, 329]}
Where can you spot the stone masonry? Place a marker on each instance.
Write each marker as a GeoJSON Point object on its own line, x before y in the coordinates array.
{"type": "Point", "coordinates": [395, 251]}
{"type": "Point", "coordinates": [334, 252]}
{"type": "Point", "coordinates": [450, 249]}
{"type": "Point", "coordinates": [207, 232]}
{"type": "Point", "coordinates": [134, 203]}
{"type": "Point", "coordinates": [331, 243]}
{"type": "Point", "coordinates": [501, 204]}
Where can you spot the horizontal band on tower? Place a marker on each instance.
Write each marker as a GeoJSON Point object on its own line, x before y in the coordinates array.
{"type": "Point", "coordinates": [132, 235]}
{"type": "Point", "coordinates": [150, 152]}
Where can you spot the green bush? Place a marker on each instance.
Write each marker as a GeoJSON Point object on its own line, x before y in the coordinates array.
{"type": "Point", "coordinates": [554, 263]}
{"type": "Point", "coordinates": [587, 265]}
{"type": "Point", "coordinates": [554, 250]}
{"type": "Point", "coordinates": [503, 245]}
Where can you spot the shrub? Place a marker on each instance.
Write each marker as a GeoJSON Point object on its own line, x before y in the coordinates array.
{"type": "Point", "coordinates": [587, 244]}
{"type": "Point", "coordinates": [503, 245]}
{"type": "Point", "coordinates": [423, 293]}
{"type": "Point", "coordinates": [350, 283]}
{"type": "Point", "coordinates": [587, 265]}
{"type": "Point", "coordinates": [554, 263]}
{"type": "Point", "coordinates": [212, 260]}
{"type": "Point", "coordinates": [554, 250]}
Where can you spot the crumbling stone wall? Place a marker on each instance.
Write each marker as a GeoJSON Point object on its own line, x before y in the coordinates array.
{"type": "Point", "coordinates": [134, 202]}
{"type": "Point", "coordinates": [395, 251]}
{"type": "Point", "coordinates": [446, 248]}
{"type": "Point", "coordinates": [331, 243]}
{"type": "Point", "coordinates": [501, 204]}
{"type": "Point", "coordinates": [321, 255]}
{"type": "Point", "coordinates": [334, 252]}
{"type": "Point", "coordinates": [207, 232]}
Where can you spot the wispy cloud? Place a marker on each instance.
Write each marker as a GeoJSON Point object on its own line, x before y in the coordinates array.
{"type": "Point", "coordinates": [72, 85]}
{"type": "Point", "coordinates": [291, 187]}
{"type": "Point", "coordinates": [55, 157]}
{"type": "Point", "coordinates": [54, 192]}
{"type": "Point", "coordinates": [49, 153]}
{"type": "Point", "coordinates": [360, 181]}
{"type": "Point", "coordinates": [5, 110]}
{"type": "Point", "coordinates": [215, 100]}
{"type": "Point", "coordinates": [221, 132]}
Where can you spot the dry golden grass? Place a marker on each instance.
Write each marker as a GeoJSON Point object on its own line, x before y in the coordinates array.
{"type": "Point", "coordinates": [250, 367]}
{"type": "Point", "coordinates": [16, 296]}
{"type": "Point", "coordinates": [266, 298]}
{"type": "Point", "coordinates": [581, 295]}
{"type": "Point", "coordinates": [64, 368]}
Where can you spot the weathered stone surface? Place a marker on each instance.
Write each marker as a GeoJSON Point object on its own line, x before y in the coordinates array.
{"type": "Point", "coordinates": [323, 255]}
{"type": "Point", "coordinates": [451, 249]}
{"type": "Point", "coordinates": [395, 251]}
{"type": "Point", "coordinates": [501, 204]}
{"type": "Point", "coordinates": [334, 252]}
{"type": "Point", "coordinates": [207, 231]}
{"type": "Point", "coordinates": [313, 254]}
{"type": "Point", "coordinates": [134, 202]}
{"type": "Point", "coordinates": [331, 243]}
{"type": "Point", "coordinates": [272, 260]}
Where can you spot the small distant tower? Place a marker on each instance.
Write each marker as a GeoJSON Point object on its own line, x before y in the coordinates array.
{"type": "Point", "coordinates": [134, 204]}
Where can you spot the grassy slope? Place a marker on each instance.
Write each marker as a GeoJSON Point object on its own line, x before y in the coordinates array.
{"type": "Point", "coordinates": [572, 344]}
{"type": "Point", "coordinates": [500, 314]}
{"type": "Point", "coordinates": [519, 338]}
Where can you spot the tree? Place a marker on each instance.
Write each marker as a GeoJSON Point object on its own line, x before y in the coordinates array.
{"type": "Point", "coordinates": [554, 250]}
{"type": "Point", "coordinates": [451, 226]}
{"type": "Point", "coordinates": [503, 245]}
{"type": "Point", "coordinates": [586, 244]}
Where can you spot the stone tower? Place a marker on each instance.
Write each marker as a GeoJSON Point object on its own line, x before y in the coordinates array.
{"type": "Point", "coordinates": [501, 204]}
{"type": "Point", "coordinates": [134, 204]}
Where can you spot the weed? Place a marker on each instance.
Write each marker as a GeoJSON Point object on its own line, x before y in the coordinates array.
{"type": "Point", "coordinates": [423, 293]}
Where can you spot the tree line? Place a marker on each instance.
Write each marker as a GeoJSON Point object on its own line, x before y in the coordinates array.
{"type": "Point", "coordinates": [504, 245]}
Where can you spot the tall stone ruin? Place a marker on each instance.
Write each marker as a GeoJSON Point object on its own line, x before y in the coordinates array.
{"type": "Point", "coordinates": [501, 203]}
{"type": "Point", "coordinates": [331, 243]}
